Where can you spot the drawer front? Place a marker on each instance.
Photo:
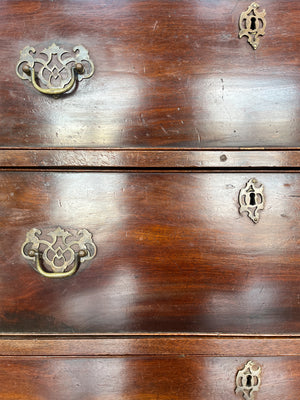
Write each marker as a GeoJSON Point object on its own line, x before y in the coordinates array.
{"type": "Point", "coordinates": [143, 378]}
{"type": "Point", "coordinates": [173, 253]}
{"type": "Point", "coordinates": [167, 74]}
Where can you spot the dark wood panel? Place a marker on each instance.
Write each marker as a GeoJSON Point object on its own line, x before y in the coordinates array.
{"type": "Point", "coordinates": [84, 158]}
{"type": "Point", "coordinates": [174, 255]}
{"type": "Point", "coordinates": [169, 73]}
{"type": "Point", "coordinates": [142, 378]}
{"type": "Point", "coordinates": [139, 345]}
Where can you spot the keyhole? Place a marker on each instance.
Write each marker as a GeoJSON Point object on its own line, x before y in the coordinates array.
{"type": "Point", "coordinates": [249, 380]}
{"type": "Point", "coordinates": [252, 199]}
{"type": "Point", "coordinates": [253, 24]}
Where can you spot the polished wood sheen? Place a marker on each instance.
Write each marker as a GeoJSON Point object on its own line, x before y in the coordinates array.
{"type": "Point", "coordinates": [148, 159]}
{"type": "Point", "coordinates": [149, 155]}
{"type": "Point", "coordinates": [173, 253]}
{"type": "Point", "coordinates": [168, 74]}
{"type": "Point", "coordinates": [142, 378]}
{"type": "Point", "coordinates": [150, 345]}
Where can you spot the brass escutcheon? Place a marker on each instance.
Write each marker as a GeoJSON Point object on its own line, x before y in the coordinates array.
{"type": "Point", "coordinates": [54, 70]}
{"type": "Point", "coordinates": [248, 380]}
{"type": "Point", "coordinates": [251, 199]}
{"type": "Point", "coordinates": [58, 253]}
{"type": "Point", "coordinates": [252, 24]}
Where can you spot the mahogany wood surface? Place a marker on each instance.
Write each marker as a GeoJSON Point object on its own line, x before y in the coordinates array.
{"type": "Point", "coordinates": [143, 378]}
{"type": "Point", "coordinates": [147, 159]}
{"type": "Point", "coordinates": [168, 74]}
{"type": "Point", "coordinates": [150, 345]}
{"type": "Point", "coordinates": [173, 253]}
{"type": "Point", "coordinates": [150, 155]}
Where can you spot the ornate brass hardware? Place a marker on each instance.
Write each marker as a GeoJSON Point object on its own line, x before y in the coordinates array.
{"type": "Point", "coordinates": [248, 380]}
{"type": "Point", "coordinates": [252, 24]}
{"type": "Point", "coordinates": [251, 200]}
{"type": "Point", "coordinates": [60, 70]}
{"type": "Point", "coordinates": [60, 253]}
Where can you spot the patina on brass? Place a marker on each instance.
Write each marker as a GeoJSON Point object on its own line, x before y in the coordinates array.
{"type": "Point", "coordinates": [248, 381]}
{"type": "Point", "coordinates": [58, 69]}
{"type": "Point", "coordinates": [252, 24]}
{"type": "Point", "coordinates": [251, 200]}
{"type": "Point", "coordinates": [58, 253]}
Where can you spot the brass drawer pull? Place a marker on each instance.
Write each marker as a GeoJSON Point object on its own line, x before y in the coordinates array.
{"type": "Point", "coordinates": [58, 72]}
{"type": "Point", "coordinates": [60, 256]}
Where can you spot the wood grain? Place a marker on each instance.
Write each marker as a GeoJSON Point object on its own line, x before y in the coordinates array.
{"type": "Point", "coordinates": [140, 345]}
{"type": "Point", "coordinates": [142, 378]}
{"type": "Point", "coordinates": [174, 254]}
{"type": "Point", "coordinates": [149, 155]}
{"type": "Point", "coordinates": [169, 73]}
{"type": "Point", "coordinates": [147, 159]}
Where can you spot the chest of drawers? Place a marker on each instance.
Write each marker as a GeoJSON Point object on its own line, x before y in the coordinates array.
{"type": "Point", "coordinates": [178, 294]}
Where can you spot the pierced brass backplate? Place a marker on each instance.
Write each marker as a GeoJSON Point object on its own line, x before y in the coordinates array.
{"type": "Point", "coordinates": [58, 253]}
{"type": "Point", "coordinates": [248, 381]}
{"type": "Point", "coordinates": [54, 70]}
{"type": "Point", "coordinates": [251, 200]}
{"type": "Point", "coordinates": [252, 24]}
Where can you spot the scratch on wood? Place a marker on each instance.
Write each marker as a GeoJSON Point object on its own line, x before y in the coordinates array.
{"type": "Point", "coordinates": [163, 129]}
{"type": "Point", "coordinates": [155, 25]}
{"type": "Point", "coordinates": [223, 88]}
